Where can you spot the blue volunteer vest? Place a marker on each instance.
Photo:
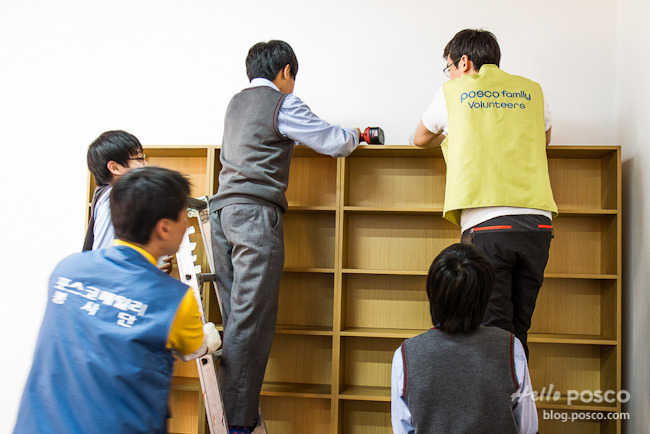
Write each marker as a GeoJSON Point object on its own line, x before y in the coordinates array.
{"type": "Point", "coordinates": [101, 363]}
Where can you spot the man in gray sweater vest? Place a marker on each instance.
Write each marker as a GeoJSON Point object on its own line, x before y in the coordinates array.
{"type": "Point", "coordinates": [262, 124]}
{"type": "Point", "coordinates": [459, 376]}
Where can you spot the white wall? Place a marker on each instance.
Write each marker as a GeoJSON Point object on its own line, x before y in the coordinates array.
{"type": "Point", "coordinates": [633, 133]}
{"type": "Point", "coordinates": [164, 70]}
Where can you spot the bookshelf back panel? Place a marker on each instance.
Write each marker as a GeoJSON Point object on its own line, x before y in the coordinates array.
{"type": "Point", "coordinates": [300, 359]}
{"type": "Point", "coordinates": [583, 245]}
{"type": "Point", "coordinates": [560, 299]}
{"type": "Point", "coordinates": [313, 292]}
{"type": "Point", "coordinates": [309, 239]}
{"type": "Point", "coordinates": [193, 167]}
{"type": "Point", "coordinates": [396, 242]}
{"type": "Point", "coordinates": [320, 188]}
{"type": "Point", "coordinates": [290, 415]}
{"type": "Point", "coordinates": [396, 182]}
{"type": "Point", "coordinates": [184, 409]}
{"type": "Point", "coordinates": [367, 361]}
{"type": "Point", "coordinates": [571, 367]}
{"type": "Point", "coordinates": [585, 183]}
{"type": "Point", "coordinates": [379, 301]}
{"type": "Point", "coordinates": [364, 417]}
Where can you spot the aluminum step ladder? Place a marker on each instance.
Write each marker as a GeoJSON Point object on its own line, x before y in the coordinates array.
{"type": "Point", "coordinates": [190, 274]}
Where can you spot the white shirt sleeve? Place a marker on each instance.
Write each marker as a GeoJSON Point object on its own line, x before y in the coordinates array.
{"type": "Point", "coordinates": [103, 231]}
{"type": "Point", "coordinates": [400, 414]}
{"type": "Point", "coordinates": [435, 117]}
{"type": "Point", "coordinates": [524, 410]}
{"type": "Point", "coordinates": [296, 121]}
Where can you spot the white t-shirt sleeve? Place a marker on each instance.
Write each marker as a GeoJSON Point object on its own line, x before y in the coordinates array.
{"type": "Point", "coordinates": [435, 116]}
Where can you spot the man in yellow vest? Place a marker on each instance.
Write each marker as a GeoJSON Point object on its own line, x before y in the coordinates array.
{"type": "Point", "coordinates": [493, 129]}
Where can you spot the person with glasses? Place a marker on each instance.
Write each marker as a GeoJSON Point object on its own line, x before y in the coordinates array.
{"type": "Point", "coordinates": [493, 129]}
{"type": "Point", "coordinates": [110, 156]}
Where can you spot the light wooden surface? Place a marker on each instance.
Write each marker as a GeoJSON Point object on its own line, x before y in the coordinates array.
{"type": "Point", "coordinates": [360, 235]}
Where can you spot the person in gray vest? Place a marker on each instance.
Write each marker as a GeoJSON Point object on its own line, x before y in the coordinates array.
{"type": "Point", "coordinates": [262, 124]}
{"type": "Point", "coordinates": [460, 376]}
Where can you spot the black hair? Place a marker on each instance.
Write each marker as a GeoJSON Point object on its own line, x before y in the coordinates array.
{"type": "Point", "coordinates": [142, 197]}
{"type": "Point", "coordinates": [459, 285]}
{"type": "Point", "coordinates": [266, 59]}
{"type": "Point", "coordinates": [116, 146]}
{"type": "Point", "coordinates": [480, 46]}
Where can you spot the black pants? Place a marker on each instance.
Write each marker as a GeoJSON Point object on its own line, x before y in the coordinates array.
{"type": "Point", "coordinates": [517, 246]}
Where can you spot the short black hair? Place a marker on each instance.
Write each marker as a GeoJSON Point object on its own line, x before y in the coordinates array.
{"type": "Point", "coordinates": [459, 285]}
{"type": "Point", "coordinates": [266, 59]}
{"type": "Point", "coordinates": [142, 197]}
{"type": "Point", "coordinates": [117, 146]}
{"type": "Point", "coordinates": [480, 46]}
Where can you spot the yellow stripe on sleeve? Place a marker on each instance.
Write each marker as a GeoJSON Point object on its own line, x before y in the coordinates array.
{"type": "Point", "coordinates": [186, 334]}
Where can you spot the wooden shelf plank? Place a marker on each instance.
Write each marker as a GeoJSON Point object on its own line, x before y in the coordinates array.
{"type": "Point", "coordinates": [395, 151]}
{"type": "Point", "coordinates": [308, 270]}
{"type": "Point", "coordinates": [549, 402]}
{"type": "Point", "coordinates": [556, 338]}
{"type": "Point", "coordinates": [576, 212]}
{"type": "Point", "coordinates": [548, 338]}
{"type": "Point", "coordinates": [365, 393]}
{"type": "Point", "coordinates": [191, 384]}
{"type": "Point", "coordinates": [580, 276]}
{"type": "Point", "coordinates": [182, 151]}
{"type": "Point", "coordinates": [425, 272]}
{"type": "Point", "coordinates": [389, 272]}
{"type": "Point", "coordinates": [298, 390]}
{"type": "Point", "coordinates": [303, 330]}
{"type": "Point", "coordinates": [438, 210]}
{"type": "Point", "coordinates": [580, 152]}
{"type": "Point", "coordinates": [380, 332]}
{"type": "Point", "coordinates": [392, 210]}
{"type": "Point", "coordinates": [314, 209]}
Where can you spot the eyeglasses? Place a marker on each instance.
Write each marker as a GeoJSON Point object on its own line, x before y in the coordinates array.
{"type": "Point", "coordinates": [446, 70]}
{"type": "Point", "coordinates": [140, 159]}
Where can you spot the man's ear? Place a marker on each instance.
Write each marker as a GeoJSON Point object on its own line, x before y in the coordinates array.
{"type": "Point", "coordinates": [162, 229]}
{"type": "Point", "coordinates": [286, 72]}
{"type": "Point", "coordinates": [115, 169]}
{"type": "Point", "coordinates": [465, 65]}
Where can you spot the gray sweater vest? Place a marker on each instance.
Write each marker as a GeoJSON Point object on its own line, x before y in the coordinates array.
{"type": "Point", "coordinates": [460, 383]}
{"type": "Point", "coordinates": [255, 157]}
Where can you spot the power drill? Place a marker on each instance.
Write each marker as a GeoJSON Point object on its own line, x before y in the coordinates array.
{"type": "Point", "coordinates": [373, 136]}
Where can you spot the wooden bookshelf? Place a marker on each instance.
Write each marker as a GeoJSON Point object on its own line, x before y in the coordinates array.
{"type": "Point", "coordinates": [360, 234]}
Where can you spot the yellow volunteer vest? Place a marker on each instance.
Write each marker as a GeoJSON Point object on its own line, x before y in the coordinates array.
{"type": "Point", "coordinates": [496, 147]}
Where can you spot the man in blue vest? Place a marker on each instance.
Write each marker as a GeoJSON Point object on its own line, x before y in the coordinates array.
{"type": "Point", "coordinates": [493, 128]}
{"type": "Point", "coordinates": [104, 356]}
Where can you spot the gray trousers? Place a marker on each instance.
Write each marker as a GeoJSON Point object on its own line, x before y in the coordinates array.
{"type": "Point", "coordinates": [248, 249]}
